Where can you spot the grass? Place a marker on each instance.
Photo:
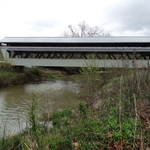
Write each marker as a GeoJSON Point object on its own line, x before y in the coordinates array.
{"type": "Point", "coordinates": [34, 71]}
{"type": "Point", "coordinates": [7, 74]}
{"type": "Point", "coordinates": [53, 77]}
{"type": "Point", "coordinates": [6, 67]}
{"type": "Point", "coordinates": [1, 56]}
{"type": "Point", "coordinates": [73, 131]}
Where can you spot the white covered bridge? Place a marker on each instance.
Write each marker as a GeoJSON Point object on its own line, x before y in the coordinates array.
{"type": "Point", "coordinates": [107, 52]}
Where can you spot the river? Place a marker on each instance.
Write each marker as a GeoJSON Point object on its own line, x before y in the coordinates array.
{"type": "Point", "coordinates": [15, 101]}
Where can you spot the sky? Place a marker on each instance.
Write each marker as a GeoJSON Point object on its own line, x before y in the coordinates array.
{"type": "Point", "coordinates": [49, 18]}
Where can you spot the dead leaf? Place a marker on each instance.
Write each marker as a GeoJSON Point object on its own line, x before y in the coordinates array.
{"type": "Point", "coordinates": [109, 134]}
{"type": "Point", "coordinates": [75, 144]}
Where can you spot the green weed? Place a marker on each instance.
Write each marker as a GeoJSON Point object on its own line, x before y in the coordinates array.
{"type": "Point", "coordinates": [120, 122]}
{"type": "Point", "coordinates": [6, 67]}
{"type": "Point", "coordinates": [52, 77]}
{"type": "Point", "coordinates": [34, 71]}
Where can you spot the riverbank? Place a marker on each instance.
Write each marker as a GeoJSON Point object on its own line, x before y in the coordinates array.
{"type": "Point", "coordinates": [113, 114]}
{"type": "Point", "coordinates": [11, 76]}
{"type": "Point", "coordinates": [81, 129]}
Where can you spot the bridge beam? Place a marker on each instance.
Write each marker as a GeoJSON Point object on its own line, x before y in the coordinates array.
{"type": "Point", "coordinates": [103, 63]}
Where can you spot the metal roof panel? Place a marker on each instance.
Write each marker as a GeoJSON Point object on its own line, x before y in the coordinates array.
{"type": "Point", "coordinates": [112, 39]}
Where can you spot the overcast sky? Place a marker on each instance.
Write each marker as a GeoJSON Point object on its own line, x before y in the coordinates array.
{"type": "Point", "coordinates": [51, 17]}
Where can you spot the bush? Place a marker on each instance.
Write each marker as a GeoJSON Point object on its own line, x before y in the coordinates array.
{"type": "Point", "coordinates": [6, 67]}
{"type": "Point", "coordinates": [34, 71]}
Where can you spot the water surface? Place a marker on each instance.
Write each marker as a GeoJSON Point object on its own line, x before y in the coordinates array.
{"type": "Point", "coordinates": [15, 102]}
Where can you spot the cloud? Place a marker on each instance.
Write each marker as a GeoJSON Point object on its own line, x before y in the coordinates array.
{"type": "Point", "coordinates": [130, 16]}
{"type": "Point", "coordinates": [39, 25]}
{"type": "Point", "coordinates": [51, 17]}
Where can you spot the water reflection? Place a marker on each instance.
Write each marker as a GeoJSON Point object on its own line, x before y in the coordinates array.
{"type": "Point", "coordinates": [51, 95]}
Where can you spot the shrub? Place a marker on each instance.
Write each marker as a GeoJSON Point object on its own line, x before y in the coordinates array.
{"type": "Point", "coordinates": [62, 118]}
{"type": "Point", "coordinates": [34, 71]}
{"type": "Point", "coordinates": [6, 67]}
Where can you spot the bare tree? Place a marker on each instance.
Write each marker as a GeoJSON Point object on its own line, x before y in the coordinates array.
{"type": "Point", "coordinates": [84, 30]}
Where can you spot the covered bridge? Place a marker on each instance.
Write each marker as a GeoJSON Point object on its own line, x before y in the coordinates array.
{"type": "Point", "coordinates": [115, 51]}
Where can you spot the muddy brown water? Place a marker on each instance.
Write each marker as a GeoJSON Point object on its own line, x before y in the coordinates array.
{"type": "Point", "coordinates": [15, 101]}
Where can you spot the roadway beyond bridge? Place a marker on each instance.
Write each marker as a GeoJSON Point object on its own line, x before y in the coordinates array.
{"type": "Point", "coordinates": [128, 51]}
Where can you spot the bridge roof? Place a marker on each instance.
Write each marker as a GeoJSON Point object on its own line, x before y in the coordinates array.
{"type": "Point", "coordinates": [112, 39]}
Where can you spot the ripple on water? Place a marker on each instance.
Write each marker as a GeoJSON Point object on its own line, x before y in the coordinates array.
{"type": "Point", "coordinates": [51, 95]}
